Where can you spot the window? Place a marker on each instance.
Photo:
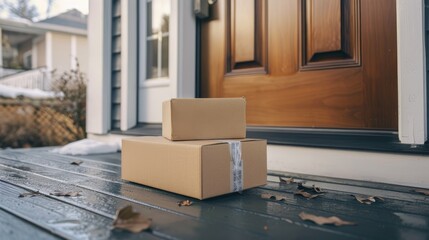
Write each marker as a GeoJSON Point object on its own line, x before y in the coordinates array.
{"type": "Point", "coordinates": [157, 37]}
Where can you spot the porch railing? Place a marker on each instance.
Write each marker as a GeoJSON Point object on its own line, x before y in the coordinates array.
{"type": "Point", "coordinates": [35, 78]}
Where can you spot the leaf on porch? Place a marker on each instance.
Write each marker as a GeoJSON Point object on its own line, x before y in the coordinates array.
{"type": "Point", "coordinates": [319, 220]}
{"type": "Point", "coordinates": [286, 180]}
{"type": "Point", "coordinates": [313, 188]}
{"type": "Point", "coordinates": [65, 194]}
{"type": "Point", "coordinates": [29, 194]}
{"type": "Point", "coordinates": [422, 191]}
{"type": "Point", "coordinates": [184, 203]}
{"type": "Point", "coordinates": [306, 194]}
{"type": "Point", "coordinates": [367, 199]}
{"type": "Point", "coordinates": [273, 197]}
{"type": "Point", "coordinates": [132, 221]}
{"type": "Point", "coordinates": [77, 162]}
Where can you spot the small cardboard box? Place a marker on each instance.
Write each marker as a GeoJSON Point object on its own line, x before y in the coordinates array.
{"type": "Point", "coordinates": [204, 118]}
{"type": "Point", "coordinates": [198, 169]}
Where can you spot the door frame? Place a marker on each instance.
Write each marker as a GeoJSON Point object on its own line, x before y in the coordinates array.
{"type": "Point", "coordinates": [412, 102]}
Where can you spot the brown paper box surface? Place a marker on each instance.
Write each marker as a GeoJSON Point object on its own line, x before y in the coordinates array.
{"type": "Point", "coordinates": [204, 118]}
{"type": "Point", "coordinates": [198, 169]}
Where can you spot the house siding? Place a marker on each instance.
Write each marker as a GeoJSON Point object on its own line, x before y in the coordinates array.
{"type": "Point", "coordinates": [61, 50]}
{"type": "Point", "coordinates": [116, 64]}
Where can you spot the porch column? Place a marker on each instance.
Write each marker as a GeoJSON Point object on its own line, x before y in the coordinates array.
{"type": "Point", "coordinates": [1, 48]}
{"type": "Point", "coordinates": [98, 118]}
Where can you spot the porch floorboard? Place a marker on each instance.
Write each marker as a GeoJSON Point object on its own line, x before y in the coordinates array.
{"type": "Point", "coordinates": [404, 214]}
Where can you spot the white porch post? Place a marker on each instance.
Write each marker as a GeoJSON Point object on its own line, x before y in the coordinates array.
{"type": "Point", "coordinates": [98, 120]}
{"type": "Point", "coordinates": [128, 64]}
{"type": "Point", "coordinates": [411, 71]}
{"type": "Point", "coordinates": [34, 53]}
{"type": "Point", "coordinates": [73, 51]}
{"type": "Point", "coordinates": [1, 47]}
{"type": "Point", "coordinates": [48, 49]}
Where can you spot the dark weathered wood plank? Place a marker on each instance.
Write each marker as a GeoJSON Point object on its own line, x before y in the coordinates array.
{"type": "Point", "coordinates": [403, 193]}
{"type": "Point", "coordinates": [64, 220]}
{"type": "Point", "coordinates": [209, 214]}
{"type": "Point", "coordinates": [166, 223]}
{"type": "Point", "coordinates": [391, 205]}
{"type": "Point", "coordinates": [13, 227]}
{"type": "Point", "coordinates": [98, 184]}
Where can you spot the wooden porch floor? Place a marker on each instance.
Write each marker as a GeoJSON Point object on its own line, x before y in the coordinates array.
{"type": "Point", "coordinates": [404, 214]}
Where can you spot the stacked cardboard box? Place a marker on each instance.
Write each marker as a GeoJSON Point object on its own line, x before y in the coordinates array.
{"type": "Point", "coordinates": [203, 152]}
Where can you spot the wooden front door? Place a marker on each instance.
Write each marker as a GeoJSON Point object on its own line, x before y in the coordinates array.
{"type": "Point", "coordinates": [304, 63]}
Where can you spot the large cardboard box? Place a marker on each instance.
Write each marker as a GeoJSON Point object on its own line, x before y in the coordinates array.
{"type": "Point", "coordinates": [198, 169]}
{"type": "Point", "coordinates": [204, 118]}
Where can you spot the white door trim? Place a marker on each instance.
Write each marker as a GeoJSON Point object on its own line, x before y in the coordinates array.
{"type": "Point", "coordinates": [412, 102]}
{"type": "Point", "coordinates": [129, 35]}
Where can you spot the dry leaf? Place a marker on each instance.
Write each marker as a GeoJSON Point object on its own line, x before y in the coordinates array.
{"type": "Point", "coordinates": [132, 221]}
{"type": "Point", "coordinates": [273, 197]}
{"type": "Point", "coordinates": [29, 194]}
{"type": "Point", "coordinates": [319, 220]}
{"type": "Point", "coordinates": [312, 188]}
{"type": "Point", "coordinates": [422, 191]}
{"type": "Point", "coordinates": [77, 162]}
{"type": "Point", "coordinates": [65, 194]}
{"type": "Point", "coordinates": [286, 180]}
{"type": "Point", "coordinates": [317, 189]}
{"type": "Point", "coordinates": [367, 199]}
{"type": "Point", "coordinates": [306, 194]}
{"type": "Point", "coordinates": [184, 203]}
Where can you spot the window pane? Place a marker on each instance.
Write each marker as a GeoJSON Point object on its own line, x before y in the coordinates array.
{"type": "Point", "coordinates": [152, 59]}
{"type": "Point", "coordinates": [158, 14]}
{"type": "Point", "coordinates": [164, 66]}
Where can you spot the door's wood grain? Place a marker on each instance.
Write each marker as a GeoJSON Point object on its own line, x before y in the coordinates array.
{"type": "Point", "coordinates": [354, 89]}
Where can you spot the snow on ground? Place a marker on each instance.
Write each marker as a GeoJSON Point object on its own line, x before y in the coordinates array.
{"type": "Point", "coordinates": [87, 147]}
{"type": "Point", "coordinates": [14, 92]}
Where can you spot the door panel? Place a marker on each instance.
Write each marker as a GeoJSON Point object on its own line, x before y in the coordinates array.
{"type": "Point", "coordinates": [304, 63]}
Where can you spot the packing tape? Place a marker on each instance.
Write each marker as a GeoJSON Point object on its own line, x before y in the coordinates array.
{"type": "Point", "coordinates": [236, 166]}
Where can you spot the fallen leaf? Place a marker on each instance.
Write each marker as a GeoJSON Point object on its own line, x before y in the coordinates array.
{"type": "Point", "coordinates": [77, 162]}
{"type": "Point", "coordinates": [306, 194]}
{"type": "Point", "coordinates": [29, 194]}
{"type": "Point", "coordinates": [273, 197]}
{"type": "Point", "coordinates": [312, 188]}
{"type": "Point", "coordinates": [422, 191]}
{"type": "Point", "coordinates": [319, 220]}
{"type": "Point", "coordinates": [184, 203]}
{"type": "Point", "coordinates": [286, 180]}
{"type": "Point", "coordinates": [367, 199]}
{"type": "Point", "coordinates": [65, 194]}
{"type": "Point", "coordinates": [317, 189]}
{"type": "Point", "coordinates": [132, 221]}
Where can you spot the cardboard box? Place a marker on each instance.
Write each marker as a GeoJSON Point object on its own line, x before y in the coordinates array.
{"type": "Point", "coordinates": [198, 169]}
{"type": "Point", "coordinates": [204, 118]}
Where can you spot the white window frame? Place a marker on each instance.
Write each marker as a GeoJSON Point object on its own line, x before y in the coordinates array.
{"type": "Point", "coordinates": [181, 62]}
{"type": "Point", "coordinates": [160, 81]}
